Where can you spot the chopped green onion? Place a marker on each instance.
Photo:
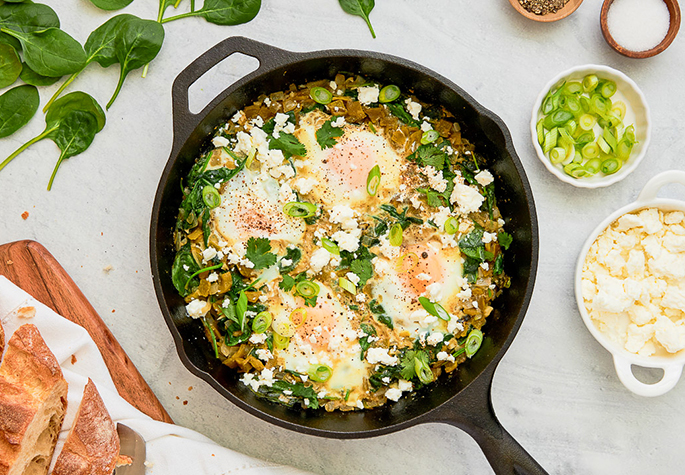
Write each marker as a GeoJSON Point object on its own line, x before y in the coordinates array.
{"type": "Point", "coordinates": [619, 109]}
{"type": "Point", "coordinates": [607, 88]}
{"type": "Point", "coordinates": [629, 134]}
{"type": "Point", "coordinates": [389, 93]}
{"type": "Point", "coordinates": [330, 246]}
{"type": "Point", "coordinates": [550, 140]}
{"type": "Point", "coordinates": [611, 166]}
{"type": "Point", "coordinates": [603, 145]}
{"type": "Point", "coordinates": [557, 118]}
{"type": "Point", "coordinates": [587, 121]}
{"type": "Point", "coordinates": [373, 181]}
{"type": "Point", "coordinates": [299, 209]}
{"type": "Point", "coordinates": [585, 137]}
{"type": "Point", "coordinates": [429, 136]}
{"type": "Point", "coordinates": [541, 132]}
{"type": "Point", "coordinates": [451, 225]}
{"type": "Point", "coordinates": [261, 322]}
{"type": "Point", "coordinates": [590, 150]}
{"type": "Point", "coordinates": [609, 138]}
{"type": "Point", "coordinates": [250, 157]}
{"type": "Point", "coordinates": [347, 285]}
{"type": "Point", "coordinates": [572, 169]}
{"type": "Point", "coordinates": [396, 235]}
{"type": "Point", "coordinates": [212, 336]}
{"type": "Point", "coordinates": [423, 371]}
{"type": "Point", "coordinates": [211, 196]}
{"type": "Point", "coordinates": [321, 95]}
{"type": "Point", "coordinates": [319, 373]}
{"type": "Point", "coordinates": [590, 82]}
{"type": "Point", "coordinates": [434, 309]}
{"type": "Point", "coordinates": [307, 289]}
{"type": "Point", "coordinates": [473, 342]}
{"type": "Point", "coordinates": [623, 149]}
{"type": "Point", "coordinates": [557, 155]}
{"type": "Point", "coordinates": [571, 127]}
{"type": "Point", "coordinates": [280, 342]}
{"type": "Point", "coordinates": [573, 87]}
{"type": "Point", "coordinates": [593, 166]}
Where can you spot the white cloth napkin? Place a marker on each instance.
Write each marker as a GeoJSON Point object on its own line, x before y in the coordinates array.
{"type": "Point", "coordinates": [171, 450]}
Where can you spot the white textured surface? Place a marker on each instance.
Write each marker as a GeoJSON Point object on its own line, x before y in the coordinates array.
{"type": "Point", "coordinates": [555, 391]}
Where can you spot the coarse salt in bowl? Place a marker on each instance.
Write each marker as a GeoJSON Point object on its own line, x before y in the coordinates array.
{"type": "Point", "coordinates": [672, 365]}
{"type": "Point", "coordinates": [637, 113]}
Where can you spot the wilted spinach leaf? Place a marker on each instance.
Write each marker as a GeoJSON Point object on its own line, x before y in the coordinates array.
{"type": "Point", "coordinates": [182, 270]}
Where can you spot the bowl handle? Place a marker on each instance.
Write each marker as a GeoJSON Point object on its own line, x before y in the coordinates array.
{"type": "Point", "coordinates": [267, 55]}
{"type": "Point", "coordinates": [652, 187]}
{"type": "Point", "coordinates": [671, 376]}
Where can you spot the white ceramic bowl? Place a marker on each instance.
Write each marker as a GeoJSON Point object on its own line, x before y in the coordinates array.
{"type": "Point", "coordinates": [634, 99]}
{"type": "Point", "coordinates": [623, 359]}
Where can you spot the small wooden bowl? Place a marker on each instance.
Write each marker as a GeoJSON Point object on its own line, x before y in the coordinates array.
{"type": "Point", "coordinates": [563, 12]}
{"type": "Point", "coordinates": [673, 9]}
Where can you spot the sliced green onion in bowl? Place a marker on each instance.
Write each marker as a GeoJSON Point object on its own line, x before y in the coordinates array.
{"type": "Point", "coordinates": [261, 322]}
{"type": "Point", "coordinates": [321, 95]}
{"type": "Point", "coordinates": [611, 166]}
{"type": "Point", "coordinates": [211, 196]}
{"type": "Point", "coordinates": [451, 225]}
{"type": "Point", "coordinates": [395, 237]}
{"type": "Point", "coordinates": [373, 180]}
{"type": "Point", "coordinates": [557, 155]}
{"type": "Point", "coordinates": [330, 246]}
{"type": "Point", "coordinates": [299, 209]}
{"type": "Point", "coordinates": [319, 373]}
{"type": "Point", "coordinates": [590, 150]}
{"type": "Point", "coordinates": [347, 285]}
{"type": "Point", "coordinates": [587, 121]}
{"type": "Point", "coordinates": [473, 342]}
{"type": "Point", "coordinates": [307, 289]}
{"type": "Point", "coordinates": [429, 136]}
{"type": "Point", "coordinates": [590, 82]}
{"type": "Point", "coordinates": [619, 109]}
{"type": "Point", "coordinates": [389, 93]}
{"type": "Point", "coordinates": [593, 166]}
{"type": "Point", "coordinates": [550, 140]}
{"type": "Point", "coordinates": [541, 132]}
{"type": "Point", "coordinates": [607, 88]}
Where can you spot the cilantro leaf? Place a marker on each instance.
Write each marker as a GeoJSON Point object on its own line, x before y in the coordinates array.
{"type": "Point", "coordinates": [364, 270]}
{"type": "Point", "coordinates": [504, 239]}
{"type": "Point", "coordinates": [287, 283]}
{"type": "Point", "coordinates": [327, 133]}
{"type": "Point", "coordinates": [288, 144]}
{"type": "Point", "coordinates": [258, 253]}
{"type": "Point", "coordinates": [429, 155]}
{"type": "Point", "coordinates": [433, 198]}
{"type": "Point", "coordinates": [407, 369]}
{"type": "Point", "coordinates": [292, 254]}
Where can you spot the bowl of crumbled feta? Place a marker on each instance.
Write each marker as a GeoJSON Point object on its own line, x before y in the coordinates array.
{"type": "Point", "coordinates": [630, 286]}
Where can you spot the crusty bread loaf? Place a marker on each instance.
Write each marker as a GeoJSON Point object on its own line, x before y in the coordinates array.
{"type": "Point", "coordinates": [2, 339]}
{"type": "Point", "coordinates": [33, 400]}
{"type": "Point", "coordinates": [92, 446]}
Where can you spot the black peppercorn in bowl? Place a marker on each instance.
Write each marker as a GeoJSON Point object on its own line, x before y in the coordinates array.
{"type": "Point", "coordinates": [545, 10]}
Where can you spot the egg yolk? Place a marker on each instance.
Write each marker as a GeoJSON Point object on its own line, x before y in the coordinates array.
{"type": "Point", "coordinates": [350, 163]}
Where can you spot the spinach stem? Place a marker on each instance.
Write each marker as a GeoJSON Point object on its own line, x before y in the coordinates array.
{"type": "Point", "coordinates": [116, 92]}
{"type": "Point", "coordinates": [178, 17]}
{"type": "Point", "coordinates": [61, 90]}
{"type": "Point", "coordinates": [192, 5]}
{"type": "Point", "coordinates": [25, 146]}
{"type": "Point", "coordinates": [54, 172]}
{"type": "Point", "coordinates": [160, 14]}
{"type": "Point", "coordinates": [368, 22]}
{"type": "Point", "coordinates": [145, 70]}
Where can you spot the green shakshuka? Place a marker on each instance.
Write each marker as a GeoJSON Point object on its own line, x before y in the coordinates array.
{"type": "Point", "coordinates": [341, 244]}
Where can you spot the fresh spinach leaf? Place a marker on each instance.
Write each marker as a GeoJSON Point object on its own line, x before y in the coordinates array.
{"type": "Point", "coordinates": [138, 43]}
{"type": "Point", "coordinates": [375, 307]}
{"type": "Point", "coordinates": [327, 133]}
{"type": "Point", "coordinates": [470, 269]}
{"type": "Point", "coordinates": [101, 43]}
{"type": "Point", "coordinates": [110, 5]}
{"type": "Point", "coordinates": [10, 65]}
{"type": "Point", "coordinates": [498, 268]}
{"type": "Point", "coordinates": [181, 271]}
{"type": "Point", "coordinates": [74, 135]}
{"type": "Point", "coordinates": [505, 239]}
{"type": "Point", "coordinates": [28, 17]}
{"type": "Point", "coordinates": [289, 145]}
{"type": "Point", "coordinates": [50, 52]}
{"type": "Point", "coordinates": [223, 12]}
{"type": "Point", "coordinates": [472, 246]}
{"type": "Point", "coordinates": [29, 76]}
{"type": "Point", "coordinates": [17, 106]}
{"type": "Point", "coordinates": [402, 217]}
{"type": "Point", "coordinates": [297, 393]}
{"type": "Point", "coordinates": [258, 252]}
{"type": "Point", "coordinates": [360, 8]}
{"type": "Point", "coordinates": [240, 309]}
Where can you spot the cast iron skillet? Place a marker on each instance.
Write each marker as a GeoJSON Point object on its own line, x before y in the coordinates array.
{"type": "Point", "coordinates": [462, 400]}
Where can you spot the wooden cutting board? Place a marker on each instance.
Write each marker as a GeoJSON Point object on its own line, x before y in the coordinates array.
{"type": "Point", "coordinates": [30, 266]}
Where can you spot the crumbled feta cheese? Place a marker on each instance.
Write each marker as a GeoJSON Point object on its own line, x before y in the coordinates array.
{"type": "Point", "coordinates": [414, 108]}
{"type": "Point", "coordinates": [258, 338]}
{"type": "Point", "coordinates": [339, 122]}
{"type": "Point", "coordinates": [286, 262]}
{"type": "Point", "coordinates": [394, 394]}
{"type": "Point", "coordinates": [352, 277]}
{"type": "Point", "coordinates": [434, 291]}
{"type": "Point", "coordinates": [484, 177]}
{"type": "Point", "coordinates": [267, 102]}
{"type": "Point", "coordinates": [347, 241]}
{"type": "Point", "coordinates": [368, 95]}
{"type": "Point", "coordinates": [435, 178]}
{"type": "Point", "coordinates": [213, 277]}
{"type": "Point", "coordinates": [426, 126]}
{"type": "Point", "coordinates": [263, 354]}
{"type": "Point", "coordinates": [435, 338]}
{"type": "Point", "coordinates": [444, 356]}
{"type": "Point", "coordinates": [380, 355]}
{"type": "Point", "coordinates": [404, 385]}
{"type": "Point", "coordinates": [319, 260]}
{"type": "Point", "coordinates": [305, 185]}
{"type": "Point", "coordinates": [197, 308]}
{"type": "Point", "coordinates": [361, 298]}
{"type": "Point", "coordinates": [466, 197]}
{"type": "Point", "coordinates": [209, 254]}
{"type": "Point", "coordinates": [219, 142]}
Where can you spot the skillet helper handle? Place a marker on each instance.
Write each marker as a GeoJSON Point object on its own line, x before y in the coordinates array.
{"type": "Point", "coordinates": [472, 412]}
{"type": "Point", "coordinates": [653, 186]}
{"type": "Point", "coordinates": [268, 57]}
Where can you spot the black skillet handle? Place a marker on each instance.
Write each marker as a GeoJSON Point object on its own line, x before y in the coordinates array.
{"type": "Point", "coordinates": [268, 57]}
{"type": "Point", "coordinates": [472, 412]}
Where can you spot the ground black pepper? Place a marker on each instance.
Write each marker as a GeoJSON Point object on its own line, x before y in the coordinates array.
{"type": "Point", "coordinates": [542, 7]}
